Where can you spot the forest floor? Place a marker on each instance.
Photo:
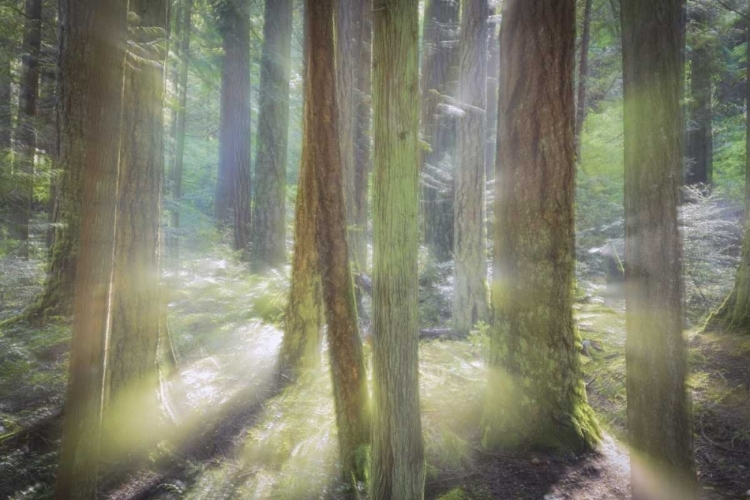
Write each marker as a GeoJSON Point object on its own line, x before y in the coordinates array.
{"type": "Point", "coordinates": [239, 437]}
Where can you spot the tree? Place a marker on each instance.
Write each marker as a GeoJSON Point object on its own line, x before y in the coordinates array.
{"type": "Point", "coordinates": [131, 403]}
{"type": "Point", "coordinates": [536, 396]}
{"type": "Point", "coordinates": [398, 468]}
{"type": "Point", "coordinates": [269, 215]}
{"type": "Point", "coordinates": [658, 408]}
{"type": "Point", "coordinates": [233, 185]}
{"type": "Point", "coordinates": [439, 66]}
{"type": "Point", "coordinates": [6, 108]}
{"type": "Point", "coordinates": [583, 73]}
{"type": "Point", "coordinates": [94, 35]}
{"type": "Point", "coordinates": [321, 150]}
{"type": "Point", "coordinates": [25, 136]}
{"type": "Point", "coordinates": [469, 244]}
{"type": "Point", "coordinates": [185, 28]}
{"type": "Point", "coordinates": [493, 75]}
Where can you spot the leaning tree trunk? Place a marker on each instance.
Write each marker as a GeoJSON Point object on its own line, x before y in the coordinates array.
{"type": "Point", "coordinates": [470, 246]}
{"type": "Point", "coordinates": [269, 202]}
{"type": "Point", "coordinates": [700, 132]}
{"type": "Point", "coordinates": [363, 107]}
{"type": "Point", "coordinates": [583, 74]}
{"type": "Point", "coordinates": [131, 402]}
{"type": "Point", "coordinates": [659, 409]}
{"type": "Point", "coordinates": [324, 154]}
{"type": "Point", "coordinates": [398, 468]}
{"type": "Point", "coordinates": [439, 64]}
{"type": "Point", "coordinates": [25, 140]}
{"type": "Point", "coordinates": [536, 396]}
{"type": "Point", "coordinates": [94, 36]}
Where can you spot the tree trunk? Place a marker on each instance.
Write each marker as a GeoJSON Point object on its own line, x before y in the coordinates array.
{"type": "Point", "coordinates": [439, 64]}
{"type": "Point", "coordinates": [536, 396]}
{"type": "Point", "coordinates": [700, 134]}
{"type": "Point", "coordinates": [323, 153]}
{"type": "Point", "coordinates": [470, 245]}
{"type": "Point", "coordinates": [179, 133]}
{"type": "Point", "coordinates": [94, 38]}
{"type": "Point", "coordinates": [583, 73]}
{"type": "Point", "coordinates": [25, 135]}
{"type": "Point", "coordinates": [659, 409]}
{"type": "Point", "coordinates": [6, 112]}
{"type": "Point", "coordinates": [48, 133]}
{"type": "Point", "coordinates": [493, 75]}
{"type": "Point", "coordinates": [131, 403]}
{"type": "Point", "coordinates": [363, 106]}
{"type": "Point", "coordinates": [269, 205]}
{"type": "Point", "coordinates": [398, 468]}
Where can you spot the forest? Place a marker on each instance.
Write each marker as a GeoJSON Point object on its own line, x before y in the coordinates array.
{"type": "Point", "coordinates": [375, 249]}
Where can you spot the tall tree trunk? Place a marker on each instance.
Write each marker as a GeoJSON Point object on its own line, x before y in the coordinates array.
{"type": "Point", "coordinates": [536, 396]}
{"type": "Point", "coordinates": [179, 132]}
{"type": "Point", "coordinates": [439, 64]}
{"type": "Point", "coordinates": [470, 244]}
{"type": "Point", "coordinates": [733, 316]}
{"type": "Point", "coordinates": [323, 153]}
{"type": "Point", "coordinates": [659, 409]}
{"type": "Point", "coordinates": [131, 403]}
{"type": "Point", "coordinates": [23, 161]}
{"type": "Point", "coordinates": [583, 74]}
{"type": "Point", "coordinates": [269, 203]}
{"type": "Point", "coordinates": [233, 185]}
{"type": "Point", "coordinates": [493, 75]}
{"type": "Point", "coordinates": [6, 108]}
{"type": "Point", "coordinates": [47, 136]}
{"type": "Point", "coordinates": [94, 35]}
{"type": "Point", "coordinates": [700, 133]}
{"type": "Point", "coordinates": [363, 107]}
{"type": "Point", "coordinates": [398, 468]}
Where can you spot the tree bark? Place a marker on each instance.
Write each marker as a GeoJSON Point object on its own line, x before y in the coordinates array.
{"type": "Point", "coordinates": [659, 408]}
{"type": "Point", "coordinates": [363, 106]}
{"type": "Point", "coordinates": [536, 396]}
{"type": "Point", "coordinates": [470, 244]}
{"type": "Point", "coordinates": [583, 74]}
{"type": "Point", "coordinates": [700, 133]}
{"type": "Point", "coordinates": [131, 402]}
{"type": "Point", "coordinates": [179, 133]}
{"type": "Point", "coordinates": [94, 35]}
{"type": "Point", "coordinates": [398, 467]}
{"type": "Point", "coordinates": [493, 75]}
{"type": "Point", "coordinates": [269, 207]}
{"type": "Point", "coordinates": [25, 134]}
{"type": "Point", "coordinates": [322, 150]}
{"type": "Point", "coordinates": [6, 109]}
{"type": "Point", "coordinates": [439, 64]}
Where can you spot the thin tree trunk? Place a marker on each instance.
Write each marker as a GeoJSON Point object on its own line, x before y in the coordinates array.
{"type": "Point", "coordinates": [179, 150]}
{"type": "Point", "coordinates": [92, 63]}
{"type": "Point", "coordinates": [583, 73]}
{"type": "Point", "coordinates": [25, 135]}
{"type": "Point", "coordinates": [131, 403]}
{"type": "Point", "coordinates": [659, 409]}
{"type": "Point", "coordinates": [536, 396]}
{"type": "Point", "coordinates": [269, 203]}
{"type": "Point", "coordinates": [6, 110]}
{"type": "Point", "coordinates": [493, 75]}
{"type": "Point", "coordinates": [398, 467]}
{"type": "Point", "coordinates": [47, 137]}
{"type": "Point", "coordinates": [439, 65]}
{"type": "Point", "coordinates": [363, 108]}
{"type": "Point", "coordinates": [700, 132]}
{"type": "Point", "coordinates": [470, 244]}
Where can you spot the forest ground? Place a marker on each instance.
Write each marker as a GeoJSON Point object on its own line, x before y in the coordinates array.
{"type": "Point", "coordinates": [241, 438]}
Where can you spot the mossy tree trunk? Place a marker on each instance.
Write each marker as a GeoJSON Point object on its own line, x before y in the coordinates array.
{"type": "Point", "coordinates": [269, 202]}
{"type": "Point", "coordinates": [175, 173]}
{"type": "Point", "coordinates": [322, 150]}
{"type": "Point", "coordinates": [363, 109]}
{"type": "Point", "coordinates": [583, 74]}
{"type": "Point", "coordinates": [700, 132]}
{"type": "Point", "coordinates": [131, 402]}
{"type": "Point", "coordinates": [439, 65]}
{"type": "Point", "coordinates": [470, 244]}
{"type": "Point", "coordinates": [659, 410]}
{"type": "Point", "coordinates": [398, 468]}
{"type": "Point", "coordinates": [25, 133]}
{"type": "Point", "coordinates": [536, 396]}
{"type": "Point", "coordinates": [94, 37]}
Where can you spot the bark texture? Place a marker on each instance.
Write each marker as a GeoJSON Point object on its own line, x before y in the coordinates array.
{"type": "Point", "coordinates": [25, 133]}
{"type": "Point", "coordinates": [439, 65]}
{"type": "Point", "coordinates": [131, 403]}
{"type": "Point", "coordinates": [470, 245]}
{"type": "Point", "coordinates": [398, 468]}
{"type": "Point", "coordinates": [323, 152]}
{"type": "Point", "coordinates": [94, 35]}
{"type": "Point", "coordinates": [536, 396]}
{"type": "Point", "coordinates": [700, 131]}
{"type": "Point", "coordinates": [659, 408]}
{"type": "Point", "coordinates": [269, 203]}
